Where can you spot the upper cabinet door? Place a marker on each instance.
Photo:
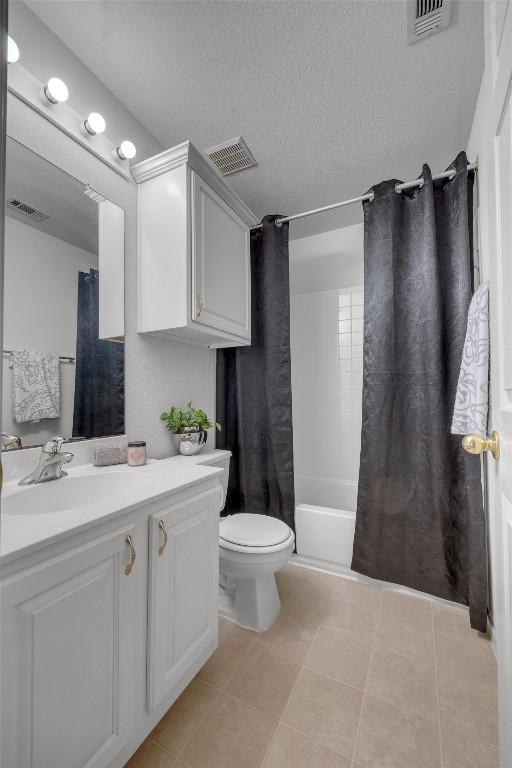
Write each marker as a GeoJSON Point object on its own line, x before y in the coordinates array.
{"type": "Point", "coordinates": [220, 263]}
{"type": "Point", "coordinates": [67, 658]}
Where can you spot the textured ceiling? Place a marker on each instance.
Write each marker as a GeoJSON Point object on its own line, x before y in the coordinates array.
{"type": "Point", "coordinates": [327, 95]}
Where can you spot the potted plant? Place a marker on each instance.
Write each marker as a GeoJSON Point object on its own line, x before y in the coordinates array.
{"type": "Point", "coordinates": [188, 428]}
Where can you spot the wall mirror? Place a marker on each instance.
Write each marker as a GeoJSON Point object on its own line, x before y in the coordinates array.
{"type": "Point", "coordinates": [63, 356]}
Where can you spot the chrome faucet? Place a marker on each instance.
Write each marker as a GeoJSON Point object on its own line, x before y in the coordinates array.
{"type": "Point", "coordinates": [10, 442]}
{"type": "Point", "coordinates": [49, 466]}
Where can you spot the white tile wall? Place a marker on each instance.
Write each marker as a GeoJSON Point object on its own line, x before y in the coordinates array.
{"type": "Point", "coordinates": [327, 379]}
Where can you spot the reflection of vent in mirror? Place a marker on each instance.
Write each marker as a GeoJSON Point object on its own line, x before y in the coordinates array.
{"type": "Point", "coordinates": [425, 17]}
{"type": "Point", "coordinates": [27, 209]}
{"type": "Point", "coordinates": [231, 156]}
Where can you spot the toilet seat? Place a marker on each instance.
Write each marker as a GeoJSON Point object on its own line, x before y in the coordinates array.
{"type": "Point", "coordinates": [249, 533]}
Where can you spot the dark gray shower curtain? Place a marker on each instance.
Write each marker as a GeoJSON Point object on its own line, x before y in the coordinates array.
{"type": "Point", "coordinates": [254, 397]}
{"type": "Point", "coordinates": [420, 518]}
{"type": "Point", "coordinates": [99, 373]}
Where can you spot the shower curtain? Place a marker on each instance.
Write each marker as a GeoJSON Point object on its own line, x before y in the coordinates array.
{"type": "Point", "coordinates": [254, 396]}
{"type": "Point", "coordinates": [99, 373]}
{"type": "Point", "coordinates": [420, 518]}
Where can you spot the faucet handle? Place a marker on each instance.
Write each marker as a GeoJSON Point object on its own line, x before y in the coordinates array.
{"type": "Point", "coordinates": [54, 445]}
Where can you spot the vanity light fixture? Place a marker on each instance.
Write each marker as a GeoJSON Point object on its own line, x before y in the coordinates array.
{"type": "Point", "coordinates": [94, 124]}
{"type": "Point", "coordinates": [13, 52]}
{"type": "Point", "coordinates": [56, 90]}
{"type": "Point", "coordinates": [126, 150]}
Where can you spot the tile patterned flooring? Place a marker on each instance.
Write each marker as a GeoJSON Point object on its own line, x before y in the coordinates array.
{"type": "Point", "coordinates": [349, 676]}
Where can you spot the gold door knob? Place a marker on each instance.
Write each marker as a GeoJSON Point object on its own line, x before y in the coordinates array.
{"type": "Point", "coordinates": [478, 444]}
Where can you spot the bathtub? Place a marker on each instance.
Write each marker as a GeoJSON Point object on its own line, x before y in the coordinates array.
{"type": "Point", "coordinates": [325, 534]}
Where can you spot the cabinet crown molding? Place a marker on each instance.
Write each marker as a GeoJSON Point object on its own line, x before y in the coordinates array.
{"type": "Point", "coordinates": [187, 153]}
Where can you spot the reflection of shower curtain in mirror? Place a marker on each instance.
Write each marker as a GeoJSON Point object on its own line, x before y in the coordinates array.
{"type": "Point", "coordinates": [99, 377]}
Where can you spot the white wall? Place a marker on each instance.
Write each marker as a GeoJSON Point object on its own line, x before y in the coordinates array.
{"type": "Point", "coordinates": [326, 273]}
{"type": "Point", "coordinates": [45, 55]}
{"type": "Point", "coordinates": [332, 259]}
{"type": "Point", "coordinates": [158, 372]}
{"type": "Point", "coordinates": [40, 306]}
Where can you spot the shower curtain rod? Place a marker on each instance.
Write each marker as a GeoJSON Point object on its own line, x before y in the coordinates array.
{"type": "Point", "coordinates": [398, 188]}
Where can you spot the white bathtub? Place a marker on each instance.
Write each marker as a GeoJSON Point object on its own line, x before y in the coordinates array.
{"type": "Point", "coordinates": [325, 520]}
{"type": "Point", "coordinates": [324, 535]}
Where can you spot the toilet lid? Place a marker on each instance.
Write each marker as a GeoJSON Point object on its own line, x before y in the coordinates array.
{"type": "Point", "coordinates": [253, 530]}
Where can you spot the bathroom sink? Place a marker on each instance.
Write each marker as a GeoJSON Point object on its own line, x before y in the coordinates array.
{"type": "Point", "coordinates": [73, 493]}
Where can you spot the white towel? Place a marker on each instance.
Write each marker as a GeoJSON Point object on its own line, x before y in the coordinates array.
{"type": "Point", "coordinates": [35, 385]}
{"type": "Point", "coordinates": [471, 408]}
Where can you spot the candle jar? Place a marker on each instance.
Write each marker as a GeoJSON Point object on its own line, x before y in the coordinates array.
{"type": "Point", "coordinates": [137, 453]}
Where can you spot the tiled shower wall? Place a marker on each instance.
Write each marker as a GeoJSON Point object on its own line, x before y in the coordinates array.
{"type": "Point", "coordinates": [327, 378]}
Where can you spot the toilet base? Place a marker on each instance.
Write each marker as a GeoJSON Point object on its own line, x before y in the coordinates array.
{"type": "Point", "coordinates": [251, 603]}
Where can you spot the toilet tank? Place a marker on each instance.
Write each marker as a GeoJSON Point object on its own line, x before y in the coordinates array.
{"type": "Point", "coordinates": [223, 464]}
{"type": "Point", "coordinates": [217, 458]}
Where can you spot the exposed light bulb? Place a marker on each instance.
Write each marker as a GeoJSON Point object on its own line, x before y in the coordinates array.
{"type": "Point", "coordinates": [13, 52]}
{"type": "Point", "coordinates": [94, 124]}
{"type": "Point", "coordinates": [56, 90]}
{"type": "Point", "coordinates": [126, 150]}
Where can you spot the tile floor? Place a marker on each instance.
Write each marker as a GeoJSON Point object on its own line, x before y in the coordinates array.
{"type": "Point", "coordinates": [349, 676]}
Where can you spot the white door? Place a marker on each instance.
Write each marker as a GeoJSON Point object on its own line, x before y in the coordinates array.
{"type": "Point", "coordinates": [220, 263]}
{"type": "Point", "coordinates": [495, 188]}
{"type": "Point", "coordinates": [183, 590]}
{"type": "Point", "coordinates": [67, 631]}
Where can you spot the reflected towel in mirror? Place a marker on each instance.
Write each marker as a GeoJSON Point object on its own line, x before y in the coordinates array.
{"type": "Point", "coordinates": [35, 385]}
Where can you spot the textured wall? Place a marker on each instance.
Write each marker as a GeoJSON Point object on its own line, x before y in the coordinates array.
{"type": "Point", "coordinates": [44, 55]}
{"type": "Point", "coordinates": [158, 372]}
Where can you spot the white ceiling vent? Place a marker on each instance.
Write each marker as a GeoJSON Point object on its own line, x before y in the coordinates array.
{"type": "Point", "coordinates": [28, 210]}
{"type": "Point", "coordinates": [231, 156]}
{"type": "Point", "coordinates": [426, 17]}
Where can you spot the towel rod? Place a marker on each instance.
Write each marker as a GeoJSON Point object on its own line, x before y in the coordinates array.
{"type": "Point", "coordinates": [62, 358]}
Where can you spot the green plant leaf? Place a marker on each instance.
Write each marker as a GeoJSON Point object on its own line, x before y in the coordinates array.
{"type": "Point", "coordinates": [191, 418]}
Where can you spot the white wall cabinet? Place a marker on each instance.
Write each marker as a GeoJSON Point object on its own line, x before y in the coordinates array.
{"type": "Point", "coordinates": [92, 655]}
{"type": "Point", "coordinates": [194, 251]}
{"type": "Point", "coordinates": [67, 652]}
{"type": "Point", "coordinates": [183, 588]}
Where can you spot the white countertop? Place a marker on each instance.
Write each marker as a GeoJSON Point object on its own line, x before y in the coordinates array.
{"type": "Point", "coordinates": [22, 532]}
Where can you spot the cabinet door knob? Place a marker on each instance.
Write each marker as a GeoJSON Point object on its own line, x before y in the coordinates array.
{"type": "Point", "coordinates": [199, 305]}
{"type": "Point", "coordinates": [129, 543]}
{"type": "Point", "coordinates": [162, 546]}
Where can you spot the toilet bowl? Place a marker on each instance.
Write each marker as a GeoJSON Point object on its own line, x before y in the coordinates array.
{"type": "Point", "coordinates": [252, 548]}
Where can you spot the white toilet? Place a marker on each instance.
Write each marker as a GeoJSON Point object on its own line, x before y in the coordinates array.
{"type": "Point", "coordinates": [252, 548]}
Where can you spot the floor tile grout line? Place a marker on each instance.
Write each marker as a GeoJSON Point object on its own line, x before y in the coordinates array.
{"type": "Point", "coordinates": [269, 747]}
{"type": "Point", "coordinates": [436, 683]}
{"type": "Point", "coordinates": [372, 652]}
{"type": "Point", "coordinates": [205, 713]}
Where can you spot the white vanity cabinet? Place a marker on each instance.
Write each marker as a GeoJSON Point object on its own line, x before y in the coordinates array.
{"type": "Point", "coordinates": [104, 628]}
{"type": "Point", "coordinates": [183, 589]}
{"type": "Point", "coordinates": [67, 652]}
{"type": "Point", "coordinates": [193, 251]}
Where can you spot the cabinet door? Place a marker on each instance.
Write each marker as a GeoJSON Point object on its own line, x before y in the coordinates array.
{"type": "Point", "coordinates": [183, 586]}
{"type": "Point", "coordinates": [67, 658]}
{"type": "Point", "coordinates": [220, 263]}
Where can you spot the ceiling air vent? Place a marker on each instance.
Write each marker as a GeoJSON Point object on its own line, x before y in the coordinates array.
{"type": "Point", "coordinates": [426, 17]}
{"type": "Point", "coordinates": [231, 156]}
{"type": "Point", "coordinates": [28, 210]}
